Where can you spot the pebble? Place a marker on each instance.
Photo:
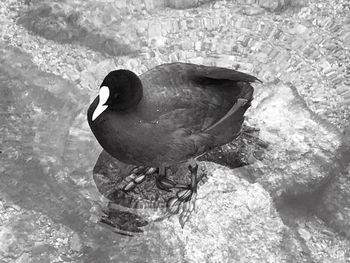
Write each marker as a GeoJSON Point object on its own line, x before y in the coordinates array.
{"type": "Point", "coordinates": [304, 234]}
{"type": "Point", "coordinates": [24, 258]}
{"type": "Point", "coordinates": [75, 243]}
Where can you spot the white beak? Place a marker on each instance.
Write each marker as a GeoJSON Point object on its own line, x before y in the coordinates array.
{"type": "Point", "coordinates": [103, 97]}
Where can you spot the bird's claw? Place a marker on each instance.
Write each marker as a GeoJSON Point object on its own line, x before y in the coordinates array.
{"type": "Point", "coordinates": [137, 176]}
{"type": "Point", "coordinates": [165, 184]}
{"type": "Point", "coordinates": [183, 204]}
{"type": "Point", "coordinates": [188, 208]}
{"type": "Point", "coordinates": [184, 195]}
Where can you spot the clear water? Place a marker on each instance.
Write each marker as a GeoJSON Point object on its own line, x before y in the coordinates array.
{"type": "Point", "coordinates": [47, 150]}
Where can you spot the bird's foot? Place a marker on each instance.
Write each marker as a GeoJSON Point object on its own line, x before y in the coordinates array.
{"type": "Point", "coordinates": [184, 203]}
{"type": "Point", "coordinates": [122, 222]}
{"type": "Point", "coordinates": [165, 184]}
{"type": "Point", "coordinates": [137, 176]}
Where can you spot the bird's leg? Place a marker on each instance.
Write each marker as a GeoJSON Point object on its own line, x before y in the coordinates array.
{"type": "Point", "coordinates": [185, 199]}
{"type": "Point", "coordinates": [137, 176]}
{"type": "Point", "coordinates": [162, 181]}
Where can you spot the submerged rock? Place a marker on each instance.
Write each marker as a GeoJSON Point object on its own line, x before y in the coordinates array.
{"type": "Point", "coordinates": [234, 221]}
{"type": "Point", "coordinates": [302, 147]}
{"type": "Point", "coordinates": [60, 22]}
{"type": "Point", "coordinates": [37, 110]}
{"type": "Point", "coordinates": [280, 5]}
{"type": "Point", "coordinates": [334, 206]}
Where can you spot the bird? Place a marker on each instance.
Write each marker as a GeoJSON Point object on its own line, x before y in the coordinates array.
{"type": "Point", "coordinates": [171, 114]}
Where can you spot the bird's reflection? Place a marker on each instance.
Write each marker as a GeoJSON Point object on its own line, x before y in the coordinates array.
{"type": "Point", "coordinates": [123, 222]}
{"type": "Point", "coordinates": [123, 216]}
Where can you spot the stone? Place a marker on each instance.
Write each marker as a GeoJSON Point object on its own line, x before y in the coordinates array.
{"type": "Point", "coordinates": [183, 4]}
{"type": "Point", "coordinates": [233, 220]}
{"type": "Point", "coordinates": [24, 258]}
{"type": "Point", "coordinates": [65, 25]}
{"type": "Point", "coordinates": [304, 234]}
{"type": "Point", "coordinates": [300, 29]}
{"type": "Point", "coordinates": [253, 10]}
{"type": "Point", "coordinates": [7, 240]}
{"type": "Point", "coordinates": [270, 5]}
{"type": "Point", "coordinates": [75, 243]}
{"type": "Point", "coordinates": [292, 130]}
{"type": "Point", "coordinates": [334, 207]}
{"type": "Point", "coordinates": [154, 30]}
{"type": "Point", "coordinates": [47, 104]}
{"type": "Point", "coordinates": [149, 4]}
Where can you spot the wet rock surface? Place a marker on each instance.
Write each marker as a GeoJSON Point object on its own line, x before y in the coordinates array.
{"type": "Point", "coordinates": [60, 22]}
{"type": "Point", "coordinates": [234, 220]}
{"type": "Point", "coordinates": [334, 207]}
{"type": "Point", "coordinates": [303, 148]}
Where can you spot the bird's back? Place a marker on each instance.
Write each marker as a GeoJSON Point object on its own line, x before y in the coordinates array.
{"type": "Point", "coordinates": [192, 96]}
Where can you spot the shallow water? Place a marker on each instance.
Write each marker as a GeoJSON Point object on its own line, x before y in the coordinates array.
{"type": "Point", "coordinates": [47, 150]}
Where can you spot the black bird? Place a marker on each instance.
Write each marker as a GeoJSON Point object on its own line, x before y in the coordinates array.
{"type": "Point", "coordinates": [171, 114]}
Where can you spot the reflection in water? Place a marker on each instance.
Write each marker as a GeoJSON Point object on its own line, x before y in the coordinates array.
{"type": "Point", "coordinates": [124, 221]}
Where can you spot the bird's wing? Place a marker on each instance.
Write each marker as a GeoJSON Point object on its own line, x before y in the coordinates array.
{"type": "Point", "coordinates": [219, 73]}
{"type": "Point", "coordinates": [194, 96]}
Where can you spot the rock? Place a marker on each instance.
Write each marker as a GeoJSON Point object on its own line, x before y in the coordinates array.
{"type": "Point", "coordinates": [149, 4]}
{"type": "Point", "coordinates": [154, 30]}
{"type": "Point", "coordinates": [43, 107]}
{"type": "Point", "coordinates": [24, 258]}
{"type": "Point", "coordinates": [300, 29]}
{"type": "Point", "coordinates": [304, 234]}
{"type": "Point", "coordinates": [334, 207]}
{"type": "Point", "coordinates": [253, 10]}
{"type": "Point", "coordinates": [7, 241]}
{"type": "Point", "coordinates": [280, 5]}
{"type": "Point", "coordinates": [61, 23]}
{"type": "Point", "coordinates": [270, 4]}
{"type": "Point", "coordinates": [75, 243]}
{"type": "Point", "coordinates": [183, 4]}
{"type": "Point", "coordinates": [292, 131]}
{"type": "Point", "coordinates": [234, 220]}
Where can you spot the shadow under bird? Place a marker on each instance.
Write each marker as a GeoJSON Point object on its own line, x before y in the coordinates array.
{"type": "Point", "coordinates": [170, 114]}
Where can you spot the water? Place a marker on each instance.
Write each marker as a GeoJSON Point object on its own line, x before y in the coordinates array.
{"type": "Point", "coordinates": [51, 205]}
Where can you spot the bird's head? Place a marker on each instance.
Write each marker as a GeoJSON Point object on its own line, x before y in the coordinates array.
{"type": "Point", "coordinates": [120, 90]}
